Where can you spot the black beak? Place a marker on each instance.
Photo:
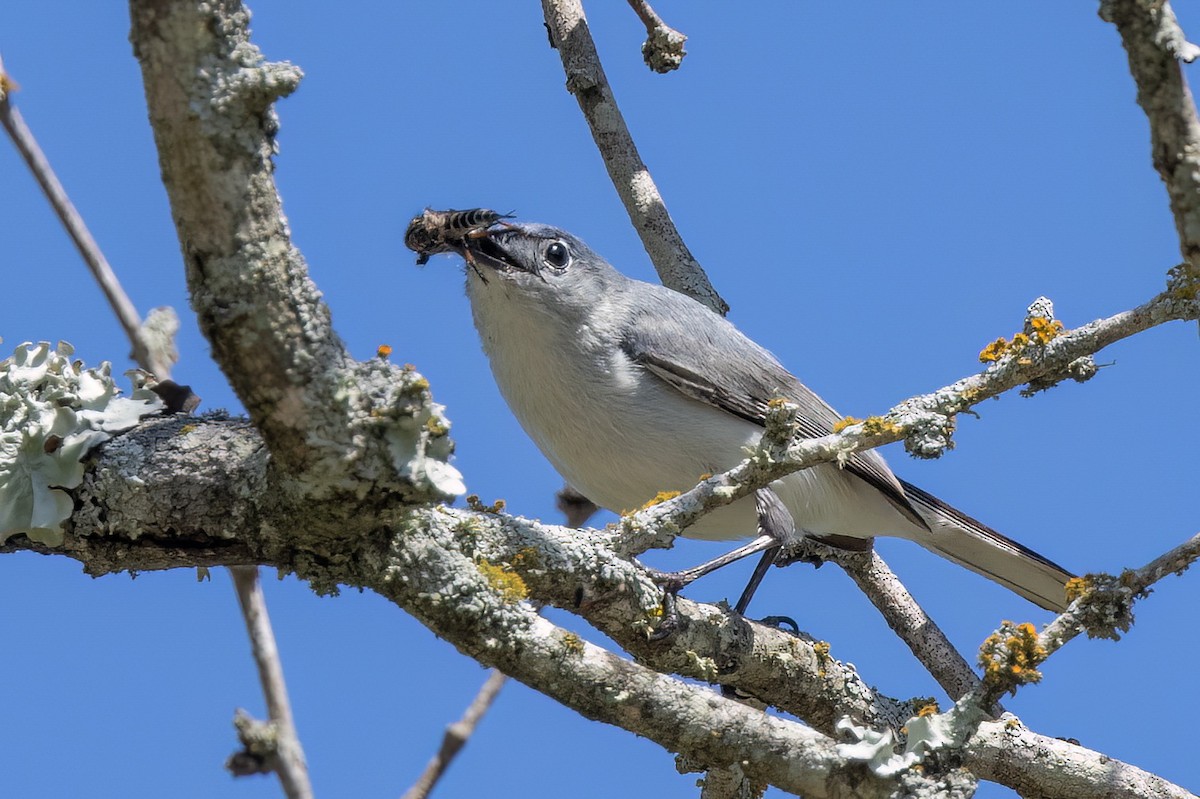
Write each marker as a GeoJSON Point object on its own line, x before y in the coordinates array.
{"type": "Point", "coordinates": [489, 249]}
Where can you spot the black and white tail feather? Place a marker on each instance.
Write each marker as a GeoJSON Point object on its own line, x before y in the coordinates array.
{"type": "Point", "coordinates": [957, 537]}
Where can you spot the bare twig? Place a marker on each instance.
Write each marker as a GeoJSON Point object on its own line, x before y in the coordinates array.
{"type": "Point", "coordinates": [663, 49]}
{"type": "Point", "coordinates": [22, 137]}
{"type": "Point", "coordinates": [457, 735]}
{"type": "Point", "coordinates": [288, 762]}
{"type": "Point", "coordinates": [646, 14]}
{"type": "Point", "coordinates": [676, 266]}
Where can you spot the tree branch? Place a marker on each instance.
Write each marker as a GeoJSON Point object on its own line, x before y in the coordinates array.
{"type": "Point", "coordinates": [1037, 765]}
{"type": "Point", "coordinates": [923, 422]}
{"type": "Point", "coordinates": [287, 759]}
{"type": "Point", "coordinates": [210, 94]}
{"type": "Point", "coordinates": [1155, 45]}
{"type": "Point", "coordinates": [23, 139]}
{"type": "Point", "coordinates": [663, 49]}
{"type": "Point", "coordinates": [1105, 607]}
{"type": "Point", "coordinates": [456, 737]}
{"type": "Point", "coordinates": [676, 266]}
{"type": "Point", "coordinates": [909, 622]}
{"type": "Point", "coordinates": [183, 493]}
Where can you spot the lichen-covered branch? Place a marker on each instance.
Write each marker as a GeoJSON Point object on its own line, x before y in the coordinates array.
{"type": "Point", "coordinates": [676, 266]}
{"type": "Point", "coordinates": [1156, 45]}
{"type": "Point", "coordinates": [1102, 604]}
{"type": "Point", "coordinates": [1038, 765]}
{"type": "Point", "coordinates": [924, 423]}
{"type": "Point", "coordinates": [179, 492]}
{"type": "Point", "coordinates": [332, 424]}
{"type": "Point", "coordinates": [663, 49]}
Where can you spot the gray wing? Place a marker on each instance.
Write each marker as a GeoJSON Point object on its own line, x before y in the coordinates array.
{"type": "Point", "coordinates": [678, 342]}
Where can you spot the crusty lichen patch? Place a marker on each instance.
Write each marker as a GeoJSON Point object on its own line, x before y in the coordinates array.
{"type": "Point", "coordinates": [52, 412]}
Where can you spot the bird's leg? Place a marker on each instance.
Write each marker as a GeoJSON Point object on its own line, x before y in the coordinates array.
{"type": "Point", "coordinates": [760, 571]}
{"type": "Point", "coordinates": [775, 521]}
{"type": "Point", "coordinates": [775, 526]}
{"type": "Point", "coordinates": [674, 582]}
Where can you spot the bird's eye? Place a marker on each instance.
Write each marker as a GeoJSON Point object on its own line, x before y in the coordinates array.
{"type": "Point", "coordinates": [556, 254]}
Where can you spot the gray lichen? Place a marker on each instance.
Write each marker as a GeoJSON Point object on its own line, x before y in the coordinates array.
{"type": "Point", "coordinates": [53, 411]}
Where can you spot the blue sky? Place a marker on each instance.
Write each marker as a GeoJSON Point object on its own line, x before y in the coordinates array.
{"type": "Point", "coordinates": [877, 191]}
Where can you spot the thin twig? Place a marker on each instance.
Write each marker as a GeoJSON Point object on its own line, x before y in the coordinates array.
{"type": "Point", "coordinates": [663, 49]}
{"type": "Point", "coordinates": [289, 762]}
{"type": "Point", "coordinates": [22, 137]}
{"type": "Point", "coordinates": [1102, 608]}
{"type": "Point", "coordinates": [676, 266]}
{"type": "Point", "coordinates": [457, 735]}
{"type": "Point", "coordinates": [646, 14]}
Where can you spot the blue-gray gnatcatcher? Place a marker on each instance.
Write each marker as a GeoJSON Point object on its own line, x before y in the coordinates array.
{"type": "Point", "coordinates": [630, 388]}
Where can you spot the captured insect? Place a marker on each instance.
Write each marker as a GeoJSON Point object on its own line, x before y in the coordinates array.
{"type": "Point", "coordinates": [433, 232]}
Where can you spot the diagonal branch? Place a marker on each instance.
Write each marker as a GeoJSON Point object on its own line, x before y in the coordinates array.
{"type": "Point", "coordinates": [676, 266]}
{"type": "Point", "coordinates": [1104, 609]}
{"type": "Point", "coordinates": [924, 422]}
{"type": "Point", "coordinates": [457, 735]}
{"type": "Point", "coordinates": [23, 139]}
{"type": "Point", "coordinates": [909, 621]}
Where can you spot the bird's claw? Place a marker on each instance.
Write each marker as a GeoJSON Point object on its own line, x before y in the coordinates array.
{"type": "Point", "coordinates": [778, 621]}
{"type": "Point", "coordinates": [671, 583]}
{"type": "Point", "coordinates": [670, 623]}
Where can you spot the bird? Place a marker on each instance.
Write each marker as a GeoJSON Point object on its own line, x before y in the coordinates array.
{"type": "Point", "coordinates": [630, 389]}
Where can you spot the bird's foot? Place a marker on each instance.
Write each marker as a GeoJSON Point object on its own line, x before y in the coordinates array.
{"type": "Point", "coordinates": [671, 583]}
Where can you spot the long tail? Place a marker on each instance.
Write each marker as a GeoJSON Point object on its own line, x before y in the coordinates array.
{"type": "Point", "coordinates": [957, 537]}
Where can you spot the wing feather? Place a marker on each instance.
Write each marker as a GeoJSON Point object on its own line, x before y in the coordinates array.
{"type": "Point", "coordinates": [677, 348]}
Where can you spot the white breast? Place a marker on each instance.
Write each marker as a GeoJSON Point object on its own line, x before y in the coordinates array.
{"type": "Point", "coordinates": [620, 436]}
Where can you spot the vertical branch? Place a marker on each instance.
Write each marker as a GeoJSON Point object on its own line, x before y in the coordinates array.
{"type": "Point", "coordinates": [288, 762]}
{"type": "Point", "coordinates": [1155, 46]}
{"type": "Point", "coordinates": [209, 94]}
{"type": "Point", "coordinates": [676, 266]}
